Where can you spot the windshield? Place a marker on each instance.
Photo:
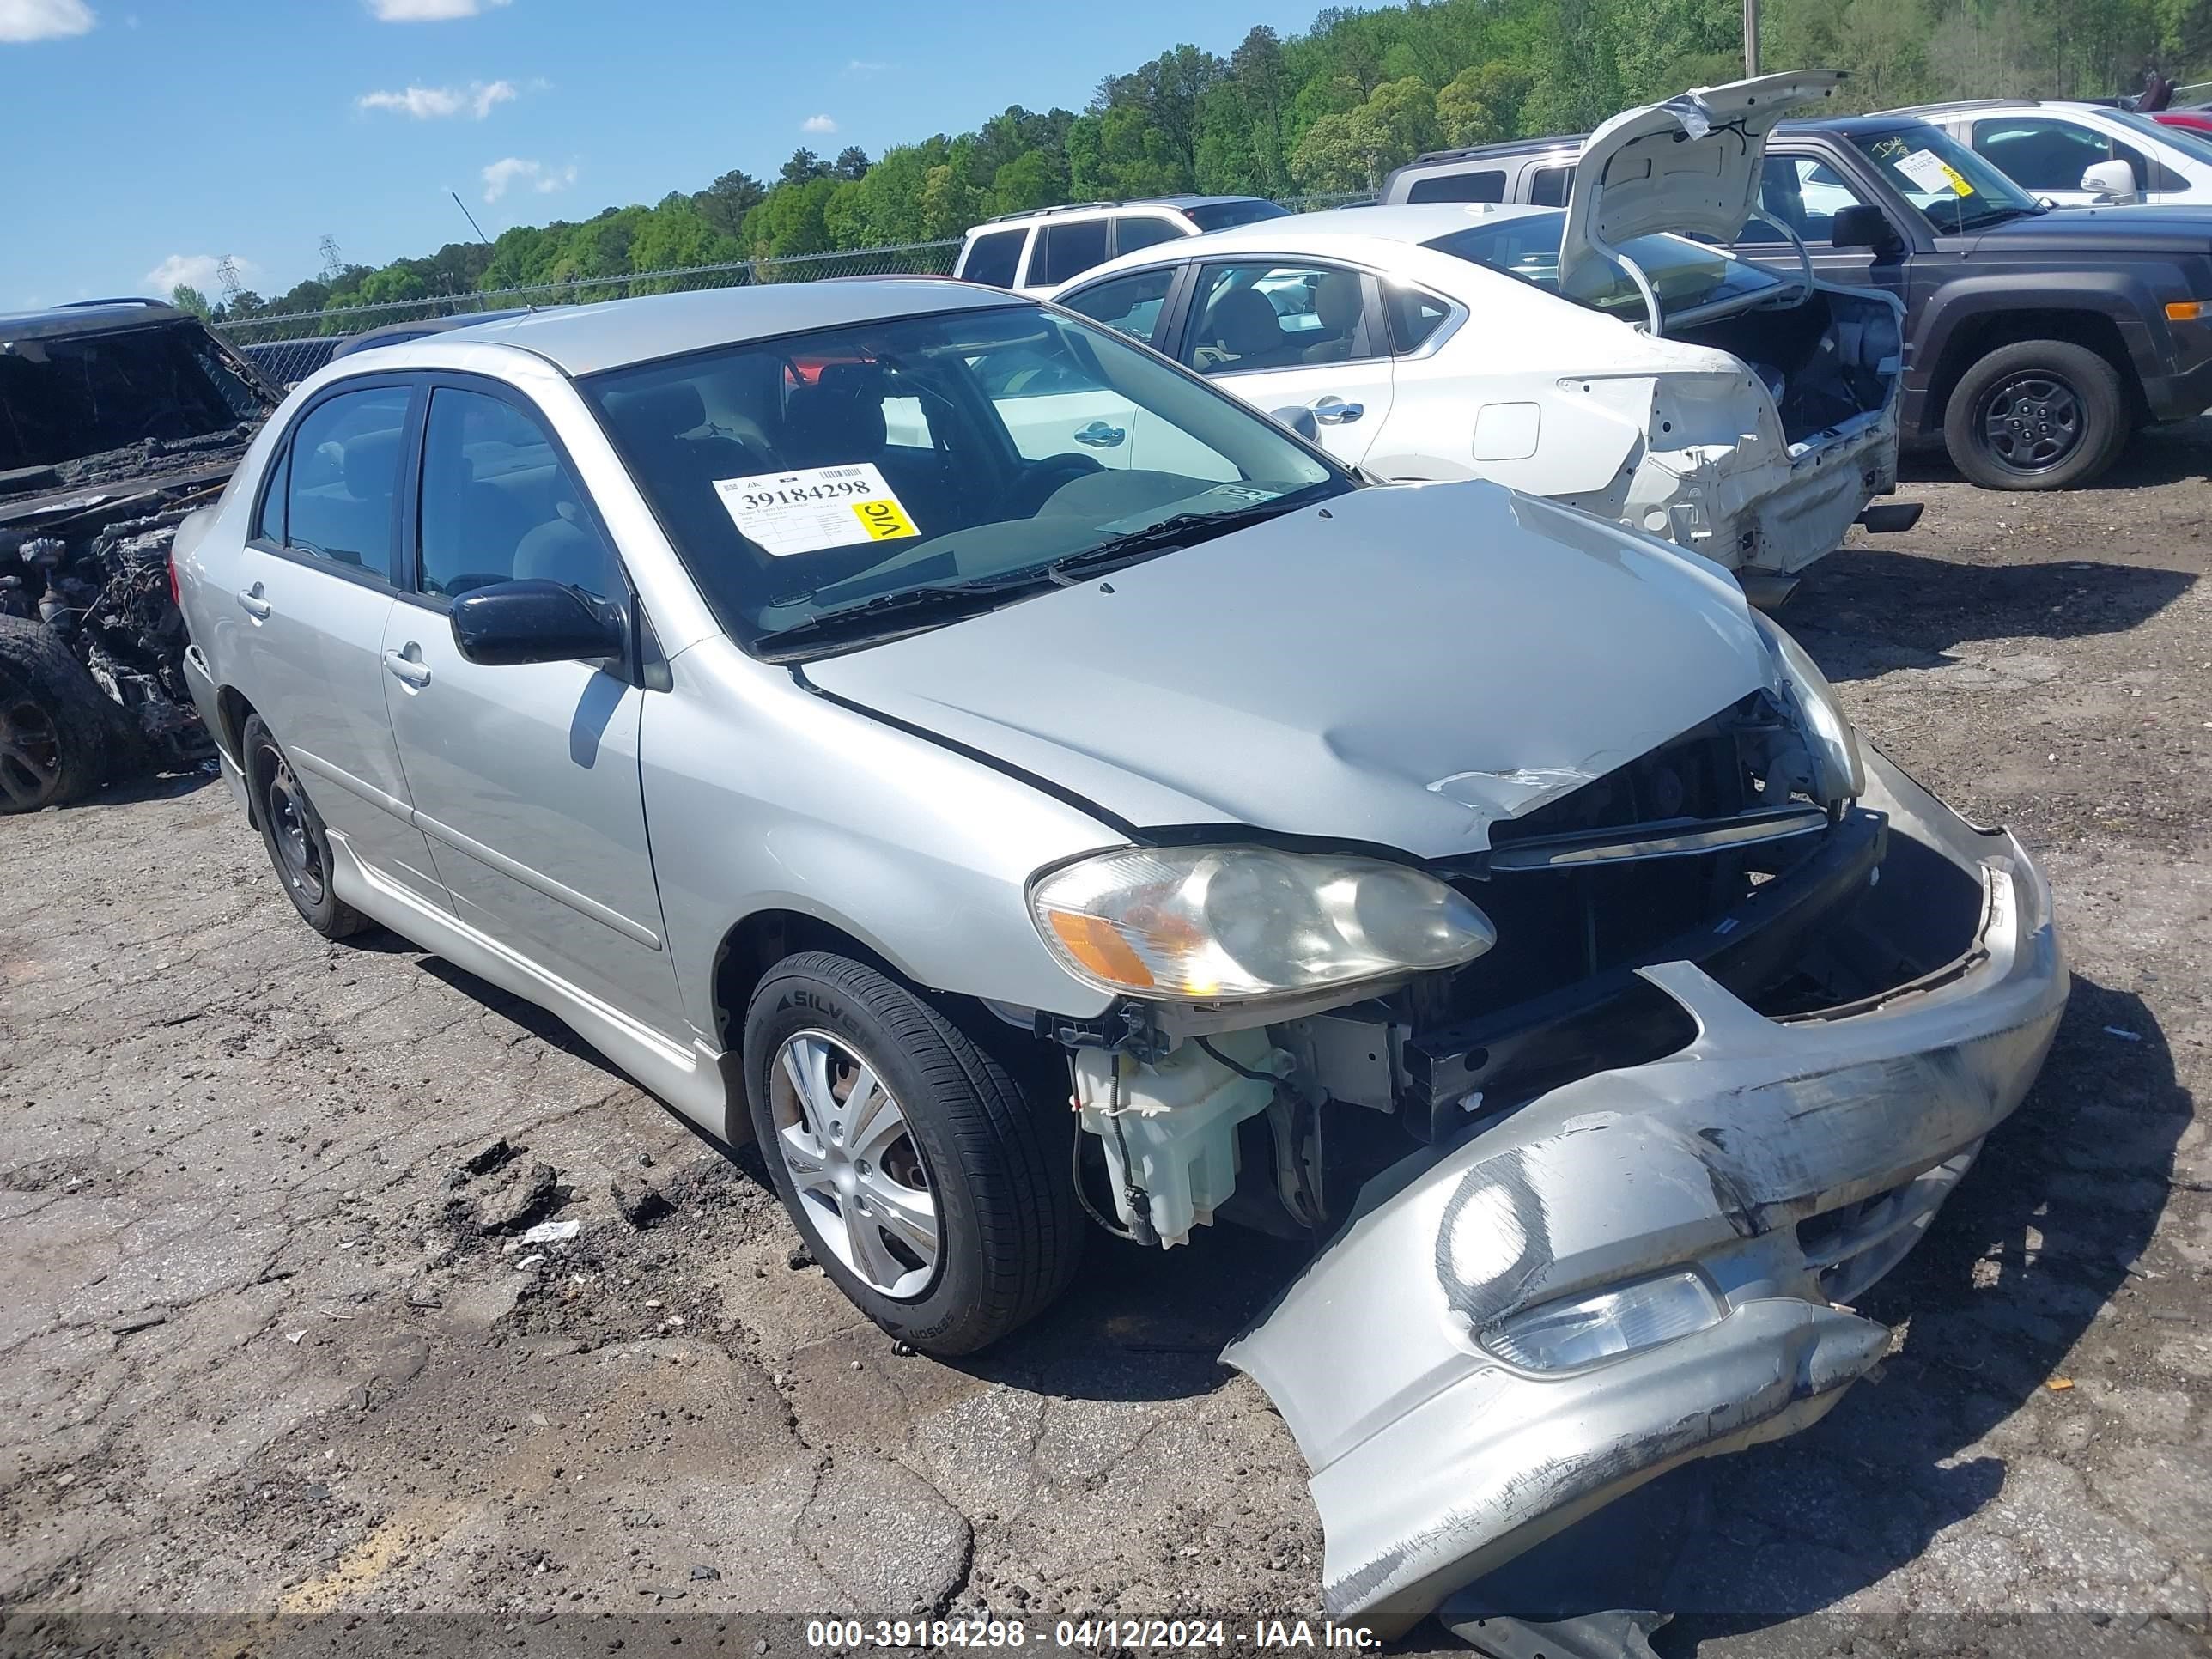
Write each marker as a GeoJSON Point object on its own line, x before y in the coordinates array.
{"type": "Point", "coordinates": [1955, 190]}
{"type": "Point", "coordinates": [1684, 274]}
{"type": "Point", "coordinates": [1219, 216]}
{"type": "Point", "coordinates": [2194, 145]}
{"type": "Point", "coordinates": [65, 397]}
{"type": "Point", "coordinates": [964, 458]}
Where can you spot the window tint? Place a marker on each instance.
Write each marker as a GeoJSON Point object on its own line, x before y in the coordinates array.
{"type": "Point", "coordinates": [1271, 316]}
{"type": "Point", "coordinates": [993, 257]}
{"type": "Point", "coordinates": [1068, 250]}
{"type": "Point", "coordinates": [1413, 317]}
{"type": "Point", "coordinates": [1803, 193]}
{"type": "Point", "coordinates": [1134, 230]}
{"type": "Point", "coordinates": [1550, 186]}
{"type": "Point", "coordinates": [344, 472]}
{"type": "Point", "coordinates": [1130, 304]}
{"type": "Point", "coordinates": [1486, 185]}
{"type": "Point", "coordinates": [499, 505]}
{"type": "Point", "coordinates": [2038, 152]}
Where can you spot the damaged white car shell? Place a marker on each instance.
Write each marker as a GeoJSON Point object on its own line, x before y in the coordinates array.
{"type": "Point", "coordinates": [1579, 353]}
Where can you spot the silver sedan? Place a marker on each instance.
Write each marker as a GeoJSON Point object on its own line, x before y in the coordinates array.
{"type": "Point", "coordinates": [947, 743]}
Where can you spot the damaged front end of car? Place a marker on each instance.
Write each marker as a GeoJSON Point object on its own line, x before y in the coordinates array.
{"type": "Point", "coordinates": [1729, 1024]}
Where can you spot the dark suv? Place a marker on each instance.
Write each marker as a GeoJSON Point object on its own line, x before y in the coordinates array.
{"type": "Point", "coordinates": [2038, 339]}
{"type": "Point", "coordinates": [118, 417]}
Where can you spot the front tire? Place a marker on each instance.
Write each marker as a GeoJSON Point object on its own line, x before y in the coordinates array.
{"type": "Point", "coordinates": [2039, 414]}
{"type": "Point", "coordinates": [54, 721]}
{"type": "Point", "coordinates": [299, 846]}
{"type": "Point", "coordinates": [920, 1176]}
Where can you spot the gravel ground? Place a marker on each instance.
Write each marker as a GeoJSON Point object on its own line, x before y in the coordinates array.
{"type": "Point", "coordinates": [261, 1359]}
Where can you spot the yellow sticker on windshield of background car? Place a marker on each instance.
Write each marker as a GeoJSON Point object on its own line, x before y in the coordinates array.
{"type": "Point", "coordinates": [884, 519]}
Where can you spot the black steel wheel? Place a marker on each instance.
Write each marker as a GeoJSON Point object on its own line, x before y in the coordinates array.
{"type": "Point", "coordinates": [299, 846]}
{"type": "Point", "coordinates": [2039, 414]}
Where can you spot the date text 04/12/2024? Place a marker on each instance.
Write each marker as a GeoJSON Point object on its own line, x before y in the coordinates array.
{"type": "Point", "coordinates": [1091, 1635]}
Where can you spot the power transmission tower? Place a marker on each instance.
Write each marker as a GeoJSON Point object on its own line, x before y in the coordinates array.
{"type": "Point", "coordinates": [226, 277]}
{"type": "Point", "coordinates": [332, 266]}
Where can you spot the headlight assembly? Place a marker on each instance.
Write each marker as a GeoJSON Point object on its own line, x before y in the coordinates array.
{"type": "Point", "coordinates": [1197, 924]}
{"type": "Point", "coordinates": [1821, 720]}
{"type": "Point", "coordinates": [1573, 1334]}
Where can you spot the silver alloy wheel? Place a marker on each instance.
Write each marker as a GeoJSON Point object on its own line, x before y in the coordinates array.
{"type": "Point", "coordinates": [846, 1143]}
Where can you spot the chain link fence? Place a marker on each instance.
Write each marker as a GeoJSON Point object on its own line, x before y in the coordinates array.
{"type": "Point", "coordinates": [291, 347]}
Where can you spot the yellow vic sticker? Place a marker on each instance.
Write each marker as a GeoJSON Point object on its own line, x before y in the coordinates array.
{"type": "Point", "coordinates": [1959, 185]}
{"type": "Point", "coordinates": [883, 521]}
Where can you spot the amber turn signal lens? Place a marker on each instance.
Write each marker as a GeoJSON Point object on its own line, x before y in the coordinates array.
{"type": "Point", "coordinates": [2187, 310]}
{"type": "Point", "coordinates": [1094, 943]}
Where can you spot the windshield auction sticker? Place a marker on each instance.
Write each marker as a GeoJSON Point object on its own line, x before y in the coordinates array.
{"type": "Point", "coordinates": [1932, 172]}
{"type": "Point", "coordinates": [815, 508]}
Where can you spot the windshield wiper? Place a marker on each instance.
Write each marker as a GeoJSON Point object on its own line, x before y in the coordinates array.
{"type": "Point", "coordinates": [1181, 530]}
{"type": "Point", "coordinates": [963, 597]}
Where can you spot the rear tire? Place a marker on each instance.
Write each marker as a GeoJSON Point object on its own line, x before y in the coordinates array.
{"type": "Point", "coordinates": [299, 846]}
{"type": "Point", "coordinates": [957, 1149]}
{"type": "Point", "coordinates": [2039, 414]}
{"type": "Point", "coordinates": [55, 722]}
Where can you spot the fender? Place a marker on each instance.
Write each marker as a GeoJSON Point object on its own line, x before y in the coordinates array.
{"type": "Point", "coordinates": [2127, 296]}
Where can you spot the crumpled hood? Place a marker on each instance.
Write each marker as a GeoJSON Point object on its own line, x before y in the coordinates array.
{"type": "Point", "coordinates": [1403, 667]}
{"type": "Point", "coordinates": [1690, 165]}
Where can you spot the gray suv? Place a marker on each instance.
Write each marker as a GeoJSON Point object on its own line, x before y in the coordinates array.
{"type": "Point", "coordinates": [772, 684]}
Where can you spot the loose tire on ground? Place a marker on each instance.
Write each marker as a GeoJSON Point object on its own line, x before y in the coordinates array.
{"type": "Point", "coordinates": [995, 1179]}
{"type": "Point", "coordinates": [292, 831]}
{"type": "Point", "coordinates": [2040, 415]}
{"type": "Point", "coordinates": [55, 723]}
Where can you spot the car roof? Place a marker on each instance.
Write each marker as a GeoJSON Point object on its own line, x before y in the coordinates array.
{"type": "Point", "coordinates": [86, 317]}
{"type": "Point", "coordinates": [1406, 221]}
{"type": "Point", "coordinates": [1505, 149]}
{"type": "Point", "coordinates": [1003, 219]}
{"type": "Point", "coordinates": [1850, 125]}
{"type": "Point", "coordinates": [586, 339]}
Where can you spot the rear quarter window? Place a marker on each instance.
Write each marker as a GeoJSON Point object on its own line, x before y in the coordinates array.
{"type": "Point", "coordinates": [1481, 185]}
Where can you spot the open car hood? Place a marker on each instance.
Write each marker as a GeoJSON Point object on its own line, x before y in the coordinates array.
{"type": "Point", "coordinates": [1690, 165]}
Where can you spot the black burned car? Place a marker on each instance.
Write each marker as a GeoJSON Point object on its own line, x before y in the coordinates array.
{"type": "Point", "coordinates": [117, 418]}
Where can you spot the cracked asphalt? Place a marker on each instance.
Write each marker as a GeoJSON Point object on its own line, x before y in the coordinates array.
{"type": "Point", "coordinates": [259, 1358]}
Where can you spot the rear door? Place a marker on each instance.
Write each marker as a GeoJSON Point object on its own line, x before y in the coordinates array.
{"type": "Point", "coordinates": [1295, 334]}
{"type": "Point", "coordinates": [525, 776]}
{"type": "Point", "coordinates": [316, 582]}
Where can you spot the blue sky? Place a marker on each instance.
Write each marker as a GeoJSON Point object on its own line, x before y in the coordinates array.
{"type": "Point", "coordinates": [149, 137]}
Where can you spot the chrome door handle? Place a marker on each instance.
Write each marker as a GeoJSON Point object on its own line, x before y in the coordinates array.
{"type": "Point", "coordinates": [251, 602]}
{"type": "Point", "coordinates": [1099, 435]}
{"type": "Point", "coordinates": [406, 670]}
{"type": "Point", "coordinates": [1334, 411]}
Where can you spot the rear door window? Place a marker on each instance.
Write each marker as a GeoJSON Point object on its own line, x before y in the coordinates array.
{"type": "Point", "coordinates": [1479, 184]}
{"type": "Point", "coordinates": [1068, 249]}
{"type": "Point", "coordinates": [1134, 230]}
{"type": "Point", "coordinates": [2038, 153]}
{"type": "Point", "coordinates": [1265, 315]}
{"type": "Point", "coordinates": [338, 499]}
{"type": "Point", "coordinates": [994, 258]}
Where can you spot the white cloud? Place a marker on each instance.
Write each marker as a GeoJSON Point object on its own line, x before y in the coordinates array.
{"type": "Point", "coordinates": [44, 20]}
{"type": "Point", "coordinates": [430, 11]}
{"type": "Point", "coordinates": [478, 99]}
{"type": "Point", "coordinates": [817, 123]}
{"type": "Point", "coordinates": [865, 66]}
{"type": "Point", "coordinates": [514, 172]}
{"type": "Point", "coordinates": [196, 270]}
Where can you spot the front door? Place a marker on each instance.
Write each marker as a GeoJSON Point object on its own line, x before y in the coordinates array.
{"type": "Point", "coordinates": [315, 587]}
{"type": "Point", "coordinates": [525, 776]}
{"type": "Point", "coordinates": [1292, 336]}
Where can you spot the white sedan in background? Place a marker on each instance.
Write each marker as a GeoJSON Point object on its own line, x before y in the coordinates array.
{"type": "Point", "coordinates": [1748, 414]}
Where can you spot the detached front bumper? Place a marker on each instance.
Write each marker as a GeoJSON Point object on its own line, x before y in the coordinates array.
{"type": "Point", "coordinates": [1789, 1163]}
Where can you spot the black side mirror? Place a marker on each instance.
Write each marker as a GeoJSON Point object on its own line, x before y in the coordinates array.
{"type": "Point", "coordinates": [535, 620]}
{"type": "Point", "coordinates": [1862, 225]}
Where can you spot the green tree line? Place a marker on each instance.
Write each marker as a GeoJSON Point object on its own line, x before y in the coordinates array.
{"type": "Point", "coordinates": [1331, 110]}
